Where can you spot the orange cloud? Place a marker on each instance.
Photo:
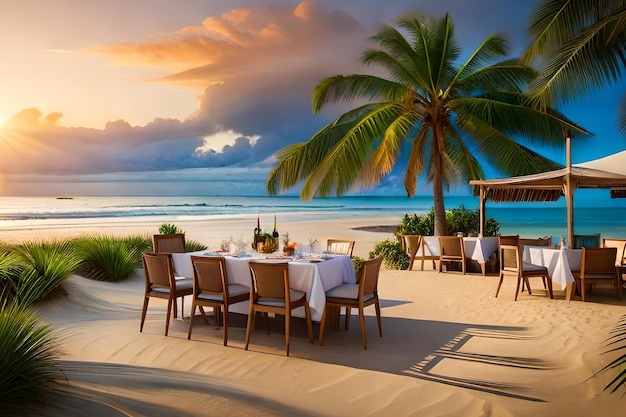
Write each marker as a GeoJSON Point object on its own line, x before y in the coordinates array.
{"type": "Point", "coordinates": [245, 43]}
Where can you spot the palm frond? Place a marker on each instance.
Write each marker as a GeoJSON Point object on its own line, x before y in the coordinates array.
{"type": "Point", "coordinates": [348, 88]}
{"type": "Point", "coordinates": [340, 167]}
{"type": "Point", "coordinates": [583, 63]}
{"type": "Point", "coordinates": [415, 164]}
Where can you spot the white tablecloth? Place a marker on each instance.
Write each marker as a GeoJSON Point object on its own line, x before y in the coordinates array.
{"type": "Point", "coordinates": [476, 248]}
{"type": "Point", "coordinates": [312, 278]}
{"type": "Point", "coordinates": [560, 262]}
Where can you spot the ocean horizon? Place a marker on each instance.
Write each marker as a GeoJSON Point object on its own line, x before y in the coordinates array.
{"type": "Point", "coordinates": [526, 219]}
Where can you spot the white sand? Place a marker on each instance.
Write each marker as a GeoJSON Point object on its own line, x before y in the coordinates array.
{"type": "Point", "coordinates": [449, 347]}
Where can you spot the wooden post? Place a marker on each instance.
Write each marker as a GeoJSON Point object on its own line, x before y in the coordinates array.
{"type": "Point", "coordinates": [569, 191]}
{"type": "Point", "coordinates": [482, 211]}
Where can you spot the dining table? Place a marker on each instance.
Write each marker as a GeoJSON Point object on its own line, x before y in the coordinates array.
{"type": "Point", "coordinates": [478, 249]}
{"type": "Point", "coordinates": [313, 275]}
{"type": "Point", "coordinates": [561, 264]}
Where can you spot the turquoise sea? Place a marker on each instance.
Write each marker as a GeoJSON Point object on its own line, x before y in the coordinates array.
{"type": "Point", "coordinates": [597, 214]}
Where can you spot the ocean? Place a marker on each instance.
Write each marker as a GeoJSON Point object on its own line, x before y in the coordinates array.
{"type": "Point", "coordinates": [591, 215]}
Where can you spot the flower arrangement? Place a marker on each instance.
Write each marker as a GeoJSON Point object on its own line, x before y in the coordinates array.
{"type": "Point", "coordinates": [289, 246]}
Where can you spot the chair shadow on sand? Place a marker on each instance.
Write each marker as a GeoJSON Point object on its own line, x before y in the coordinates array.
{"type": "Point", "coordinates": [409, 347]}
{"type": "Point", "coordinates": [413, 348]}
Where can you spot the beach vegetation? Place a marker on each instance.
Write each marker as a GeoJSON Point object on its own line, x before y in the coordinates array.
{"type": "Point", "coordinates": [29, 351]}
{"type": "Point", "coordinates": [580, 47]}
{"type": "Point", "coordinates": [108, 258]}
{"type": "Point", "coordinates": [431, 112]}
{"type": "Point", "coordinates": [357, 262]}
{"type": "Point", "coordinates": [194, 245]}
{"type": "Point", "coordinates": [43, 267]}
{"type": "Point", "coordinates": [616, 343]}
{"type": "Point", "coordinates": [170, 229]}
{"type": "Point", "coordinates": [459, 219]}
{"type": "Point", "coordinates": [392, 252]}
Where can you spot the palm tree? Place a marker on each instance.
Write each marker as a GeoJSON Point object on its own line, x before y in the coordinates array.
{"type": "Point", "coordinates": [444, 114]}
{"type": "Point", "coordinates": [581, 44]}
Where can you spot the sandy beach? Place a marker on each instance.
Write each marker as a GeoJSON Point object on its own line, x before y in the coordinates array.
{"type": "Point", "coordinates": [449, 347]}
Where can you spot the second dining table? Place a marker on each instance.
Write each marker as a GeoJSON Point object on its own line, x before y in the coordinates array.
{"type": "Point", "coordinates": [314, 276]}
{"type": "Point", "coordinates": [478, 249]}
{"type": "Point", "coordinates": [560, 263]}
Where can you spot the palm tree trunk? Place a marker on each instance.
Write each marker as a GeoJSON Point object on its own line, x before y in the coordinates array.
{"type": "Point", "coordinates": [441, 228]}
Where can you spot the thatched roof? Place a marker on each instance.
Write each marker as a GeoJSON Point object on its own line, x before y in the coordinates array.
{"type": "Point", "coordinates": [547, 186]}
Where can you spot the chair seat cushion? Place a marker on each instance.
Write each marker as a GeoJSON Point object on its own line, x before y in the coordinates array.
{"type": "Point", "coordinates": [161, 290]}
{"type": "Point", "coordinates": [233, 291]}
{"type": "Point", "coordinates": [347, 292]}
{"type": "Point", "coordinates": [528, 267]}
{"type": "Point", "coordinates": [294, 295]}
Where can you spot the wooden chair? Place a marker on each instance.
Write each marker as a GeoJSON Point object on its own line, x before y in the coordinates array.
{"type": "Point", "coordinates": [451, 249]}
{"type": "Point", "coordinates": [598, 266]}
{"type": "Point", "coordinates": [338, 246]}
{"type": "Point", "coordinates": [211, 289]}
{"type": "Point", "coordinates": [360, 295]}
{"type": "Point", "coordinates": [172, 243]}
{"type": "Point", "coordinates": [620, 245]}
{"type": "Point", "coordinates": [415, 246]}
{"type": "Point", "coordinates": [545, 241]}
{"type": "Point", "coordinates": [161, 283]}
{"type": "Point", "coordinates": [511, 264]}
{"type": "Point", "coordinates": [270, 293]}
{"type": "Point", "coordinates": [588, 241]}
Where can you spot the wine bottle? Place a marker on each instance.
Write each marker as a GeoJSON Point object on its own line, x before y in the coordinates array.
{"type": "Point", "coordinates": [275, 232]}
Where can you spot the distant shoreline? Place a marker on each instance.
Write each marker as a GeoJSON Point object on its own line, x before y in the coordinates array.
{"type": "Point", "coordinates": [377, 229]}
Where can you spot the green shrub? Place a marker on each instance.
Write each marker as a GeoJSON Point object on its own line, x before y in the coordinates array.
{"type": "Point", "coordinates": [107, 258]}
{"type": "Point", "coordinates": [392, 252]}
{"type": "Point", "coordinates": [46, 265]}
{"type": "Point", "coordinates": [457, 220]}
{"type": "Point", "coordinates": [27, 360]}
{"type": "Point", "coordinates": [357, 262]}
{"type": "Point", "coordinates": [138, 244]}
{"type": "Point", "coordinates": [417, 224]}
{"type": "Point", "coordinates": [194, 245]}
{"type": "Point", "coordinates": [170, 229]}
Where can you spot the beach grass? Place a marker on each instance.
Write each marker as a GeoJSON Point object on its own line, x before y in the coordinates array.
{"type": "Point", "coordinates": [109, 258]}
{"type": "Point", "coordinates": [28, 358]}
{"type": "Point", "coordinates": [43, 267]}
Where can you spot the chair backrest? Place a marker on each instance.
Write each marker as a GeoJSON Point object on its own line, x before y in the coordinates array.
{"type": "Point", "coordinates": [620, 245]}
{"type": "Point", "coordinates": [509, 247]}
{"type": "Point", "coordinates": [598, 260]}
{"type": "Point", "coordinates": [209, 274]}
{"type": "Point", "coordinates": [158, 269]}
{"type": "Point", "coordinates": [370, 270]}
{"type": "Point", "coordinates": [588, 241]}
{"type": "Point", "coordinates": [451, 246]}
{"type": "Point", "coordinates": [412, 243]}
{"type": "Point", "coordinates": [270, 279]}
{"type": "Point", "coordinates": [172, 243]}
{"type": "Point", "coordinates": [343, 247]}
{"type": "Point", "coordinates": [542, 241]}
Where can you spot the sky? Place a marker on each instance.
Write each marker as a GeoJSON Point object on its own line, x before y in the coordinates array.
{"type": "Point", "coordinates": [193, 97]}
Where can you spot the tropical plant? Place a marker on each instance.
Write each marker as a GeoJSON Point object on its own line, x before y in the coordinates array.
{"type": "Point", "coordinates": [170, 229]}
{"type": "Point", "coordinates": [46, 265]}
{"type": "Point", "coordinates": [27, 360]}
{"type": "Point", "coordinates": [444, 113]}
{"type": "Point", "coordinates": [457, 220]}
{"type": "Point", "coordinates": [392, 252]}
{"type": "Point", "coordinates": [357, 262]}
{"type": "Point", "coordinates": [107, 258]}
{"type": "Point", "coordinates": [194, 245]}
{"type": "Point", "coordinates": [617, 342]}
{"type": "Point", "coordinates": [580, 44]}
{"type": "Point", "coordinates": [9, 271]}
